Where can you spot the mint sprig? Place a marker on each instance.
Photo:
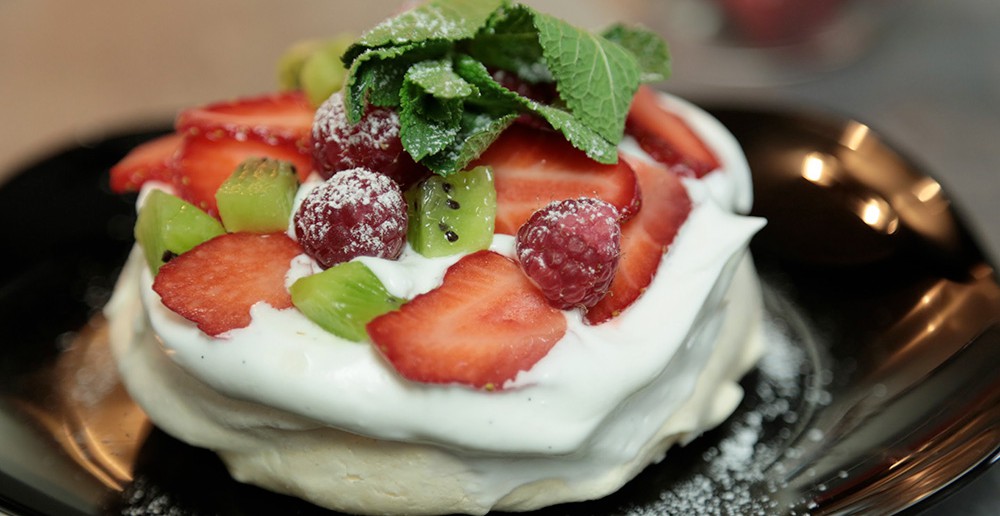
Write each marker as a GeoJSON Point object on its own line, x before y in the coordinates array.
{"type": "Point", "coordinates": [492, 93]}
{"type": "Point", "coordinates": [509, 41]}
{"type": "Point", "coordinates": [433, 65]}
{"type": "Point", "coordinates": [442, 20]}
{"type": "Point", "coordinates": [648, 47]}
{"type": "Point", "coordinates": [431, 102]}
{"type": "Point", "coordinates": [596, 77]}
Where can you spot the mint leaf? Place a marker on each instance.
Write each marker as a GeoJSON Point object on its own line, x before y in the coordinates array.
{"type": "Point", "coordinates": [376, 76]}
{"type": "Point", "coordinates": [495, 95]}
{"type": "Point", "coordinates": [445, 20]}
{"type": "Point", "coordinates": [427, 129]}
{"type": "Point", "coordinates": [578, 133]}
{"type": "Point", "coordinates": [380, 71]}
{"type": "Point", "coordinates": [596, 78]}
{"type": "Point", "coordinates": [490, 93]}
{"type": "Point", "coordinates": [478, 132]}
{"type": "Point", "coordinates": [431, 107]}
{"type": "Point", "coordinates": [440, 144]}
{"type": "Point", "coordinates": [372, 72]}
{"type": "Point", "coordinates": [510, 42]}
{"type": "Point", "coordinates": [438, 79]}
{"type": "Point", "coordinates": [648, 48]}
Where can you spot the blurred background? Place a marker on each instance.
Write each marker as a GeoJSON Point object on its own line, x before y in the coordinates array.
{"type": "Point", "coordinates": [924, 73]}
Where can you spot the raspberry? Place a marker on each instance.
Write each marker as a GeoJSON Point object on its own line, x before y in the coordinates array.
{"type": "Point", "coordinates": [372, 143]}
{"type": "Point", "coordinates": [355, 213]}
{"type": "Point", "coordinates": [570, 250]}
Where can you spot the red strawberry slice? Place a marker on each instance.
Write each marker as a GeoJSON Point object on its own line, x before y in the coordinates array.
{"type": "Point", "coordinates": [277, 119]}
{"type": "Point", "coordinates": [666, 137]}
{"type": "Point", "coordinates": [645, 238]}
{"type": "Point", "coordinates": [216, 283]}
{"type": "Point", "coordinates": [482, 326]}
{"type": "Point", "coordinates": [533, 167]}
{"type": "Point", "coordinates": [152, 160]}
{"type": "Point", "coordinates": [204, 164]}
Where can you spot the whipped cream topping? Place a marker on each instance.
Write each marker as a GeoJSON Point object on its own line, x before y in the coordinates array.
{"type": "Point", "coordinates": [594, 404]}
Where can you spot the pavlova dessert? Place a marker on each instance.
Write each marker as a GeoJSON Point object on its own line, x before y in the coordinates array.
{"type": "Point", "coordinates": [467, 262]}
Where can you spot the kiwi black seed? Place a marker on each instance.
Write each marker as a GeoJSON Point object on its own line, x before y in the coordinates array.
{"type": "Point", "coordinates": [441, 210]}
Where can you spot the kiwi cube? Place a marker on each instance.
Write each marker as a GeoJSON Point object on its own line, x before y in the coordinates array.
{"type": "Point", "coordinates": [454, 214]}
{"type": "Point", "coordinates": [258, 196]}
{"type": "Point", "coordinates": [168, 226]}
{"type": "Point", "coordinates": [323, 73]}
{"type": "Point", "coordinates": [343, 299]}
{"type": "Point", "coordinates": [314, 66]}
{"type": "Point", "coordinates": [290, 63]}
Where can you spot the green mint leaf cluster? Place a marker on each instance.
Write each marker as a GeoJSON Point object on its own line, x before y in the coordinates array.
{"type": "Point", "coordinates": [438, 66]}
{"type": "Point", "coordinates": [648, 47]}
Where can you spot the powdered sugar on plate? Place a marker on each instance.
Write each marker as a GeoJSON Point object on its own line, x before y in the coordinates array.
{"type": "Point", "coordinates": [741, 473]}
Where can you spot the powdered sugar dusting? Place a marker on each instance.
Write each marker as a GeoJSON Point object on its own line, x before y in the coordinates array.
{"type": "Point", "coordinates": [355, 213]}
{"type": "Point", "coordinates": [429, 22]}
{"type": "Point", "coordinates": [331, 130]}
{"type": "Point", "coordinates": [741, 473]}
{"type": "Point", "coordinates": [570, 249]}
{"type": "Point", "coordinates": [146, 498]}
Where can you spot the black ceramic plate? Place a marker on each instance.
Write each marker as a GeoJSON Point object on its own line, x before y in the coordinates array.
{"type": "Point", "coordinates": [879, 392]}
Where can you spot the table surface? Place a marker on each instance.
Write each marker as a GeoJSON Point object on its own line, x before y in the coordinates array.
{"type": "Point", "coordinates": [926, 76]}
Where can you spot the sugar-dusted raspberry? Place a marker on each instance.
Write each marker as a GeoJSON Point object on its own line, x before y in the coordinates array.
{"type": "Point", "coordinates": [355, 213]}
{"type": "Point", "coordinates": [570, 250]}
{"type": "Point", "coordinates": [372, 143]}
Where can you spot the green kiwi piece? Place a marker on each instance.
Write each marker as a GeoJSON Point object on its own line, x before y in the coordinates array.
{"type": "Point", "coordinates": [343, 299]}
{"type": "Point", "coordinates": [258, 196]}
{"type": "Point", "coordinates": [315, 67]}
{"type": "Point", "coordinates": [290, 63]}
{"type": "Point", "coordinates": [454, 214]}
{"type": "Point", "coordinates": [323, 73]}
{"type": "Point", "coordinates": [168, 226]}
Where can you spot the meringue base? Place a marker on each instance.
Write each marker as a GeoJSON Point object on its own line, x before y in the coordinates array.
{"type": "Point", "coordinates": [290, 454]}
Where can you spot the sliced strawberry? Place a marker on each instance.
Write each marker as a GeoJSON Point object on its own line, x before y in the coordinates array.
{"type": "Point", "coordinates": [150, 161]}
{"type": "Point", "coordinates": [277, 119]}
{"type": "Point", "coordinates": [666, 137]}
{"type": "Point", "coordinates": [216, 283]}
{"type": "Point", "coordinates": [204, 164]}
{"type": "Point", "coordinates": [645, 238]}
{"type": "Point", "coordinates": [482, 326]}
{"type": "Point", "coordinates": [533, 167]}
